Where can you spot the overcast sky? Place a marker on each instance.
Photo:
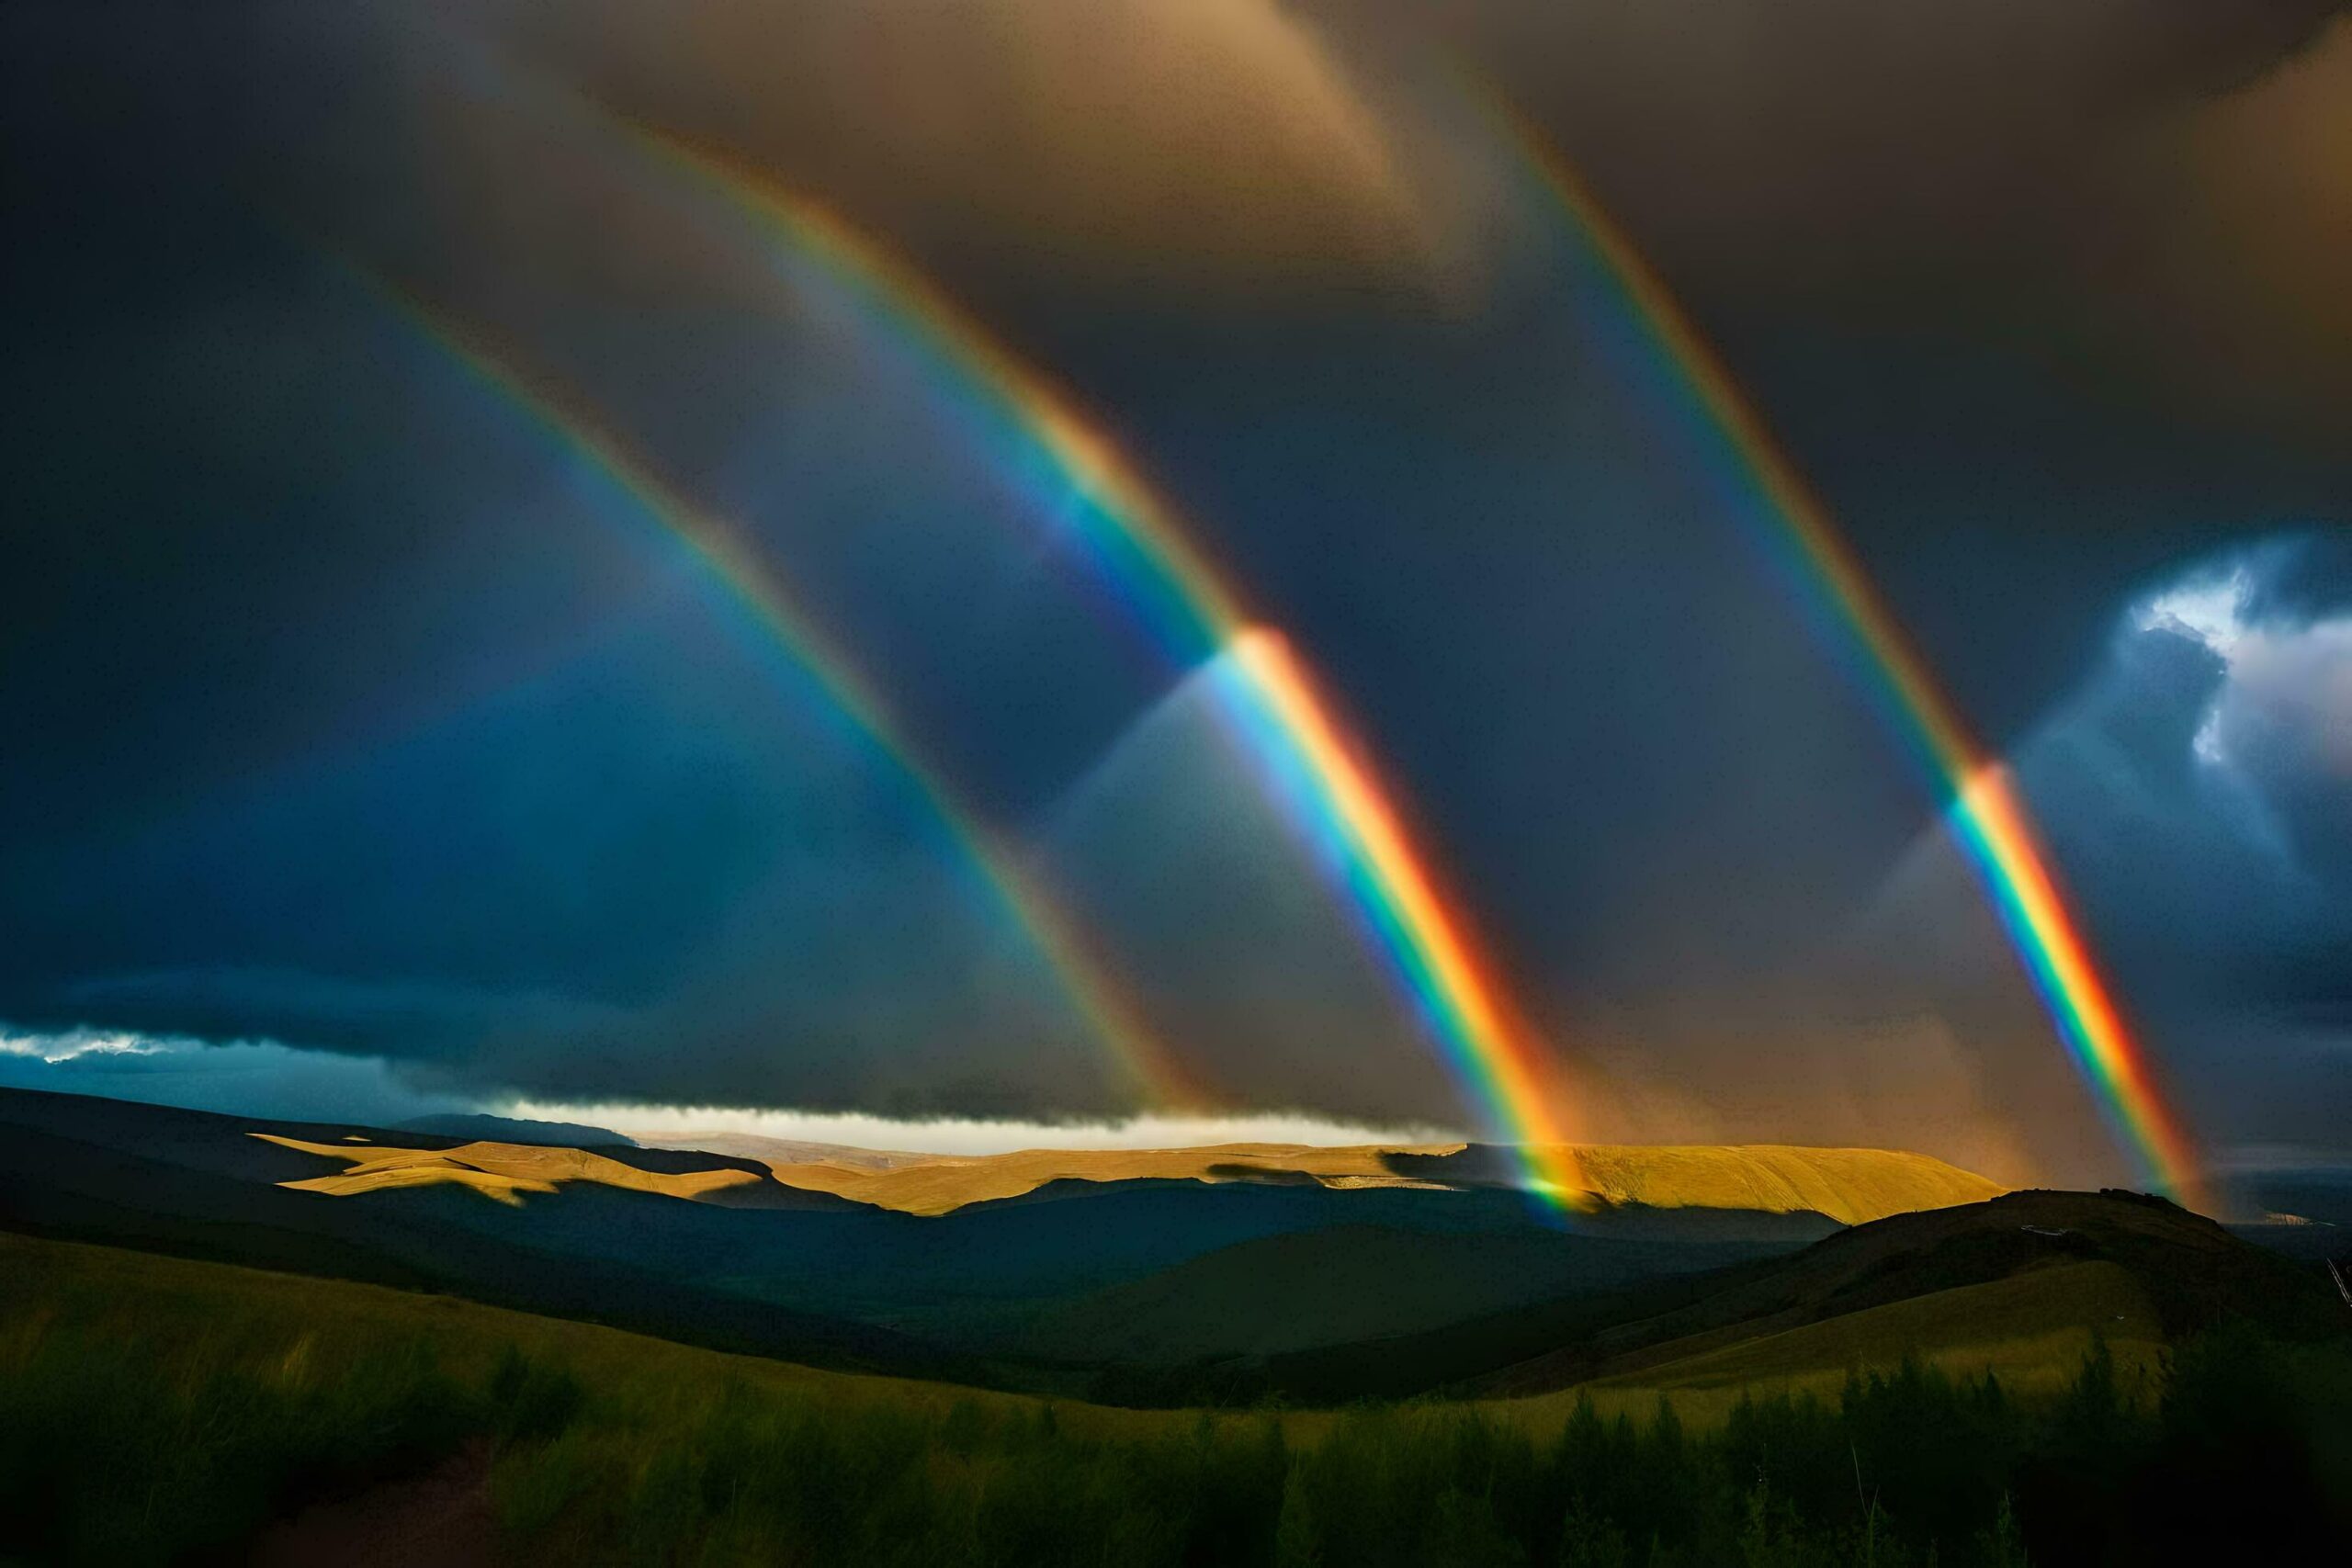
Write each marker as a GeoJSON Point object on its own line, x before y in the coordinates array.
{"type": "Point", "coordinates": [348, 712]}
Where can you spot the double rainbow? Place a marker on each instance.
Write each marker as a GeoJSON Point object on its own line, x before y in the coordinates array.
{"type": "Point", "coordinates": [1136, 544]}
{"type": "Point", "coordinates": [791, 627]}
{"type": "Point", "coordinates": [1988, 817]}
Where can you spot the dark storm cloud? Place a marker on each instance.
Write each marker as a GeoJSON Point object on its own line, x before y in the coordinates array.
{"type": "Point", "coordinates": [2196, 802]}
{"type": "Point", "coordinates": [342, 706]}
{"type": "Point", "coordinates": [1205, 147]}
{"type": "Point", "coordinates": [1992, 271]}
{"type": "Point", "coordinates": [245, 1078]}
{"type": "Point", "coordinates": [2313, 580]}
{"type": "Point", "coordinates": [361, 714]}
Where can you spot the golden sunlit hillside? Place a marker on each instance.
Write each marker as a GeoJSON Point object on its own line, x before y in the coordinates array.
{"type": "Point", "coordinates": [503, 1171]}
{"type": "Point", "coordinates": [946, 1182]}
{"type": "Point", "coordinates": [1851, 1186]}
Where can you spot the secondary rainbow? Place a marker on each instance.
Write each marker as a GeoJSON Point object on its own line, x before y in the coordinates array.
{"type": "Point", "coordinates": [1987, 815]}
{"type": "Point", "coordinates": [784, 620]}
{"type": "Point", "coordinates": [1134, 542]}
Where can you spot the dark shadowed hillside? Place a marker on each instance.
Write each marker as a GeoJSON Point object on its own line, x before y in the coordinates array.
{"type": "Point", "coordinates": [513, 1129]}
{"type": "Point", "coordinates": [1263, 1279]}
{"type": "Point", "coordinates": [706, 1248]}
{"type": "Point", "coordinates": [2191, 1273]}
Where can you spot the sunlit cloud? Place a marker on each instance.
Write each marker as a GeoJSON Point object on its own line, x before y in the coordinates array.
{"type": "Point", "coordinates": [958, 1136]}
{"type": "Point", "coordinates": [2210, 609]}
{"type": "Point", "coordinates": [262, 1078]}
{"type": "Point", "coordinates": [2286, 683]}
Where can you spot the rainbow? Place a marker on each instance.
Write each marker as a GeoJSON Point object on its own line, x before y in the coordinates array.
{"type": "Point", "coordinates": [1142, 553]}
{"type": "Point", "coordinates": [1987, 815]}
{"type": "Point", "coordinates": [1331, 788]}
{"type": "Point", "coordinates": [726, 559]}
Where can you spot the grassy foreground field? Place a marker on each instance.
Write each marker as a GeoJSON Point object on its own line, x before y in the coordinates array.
{"type": "Point", "coordinates": [2030, 1330]}
{"type": "Point", "coordinates": [153, 1408]}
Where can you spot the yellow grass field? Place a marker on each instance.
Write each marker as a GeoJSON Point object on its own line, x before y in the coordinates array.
{"type": "Point", "coordinates": [1851, 1186]}
{"type": "Point", "coordinates": [503, 1171]}
{"type": "Point", "coordinates": [2030, 1330]}
{"type": "Point", "coordinates": [940, 1184]}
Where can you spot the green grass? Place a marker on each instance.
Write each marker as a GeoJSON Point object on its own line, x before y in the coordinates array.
{"type": "Point", "coordinates": [152, 1409]}
{"type": "Point", "coordinates": [2026, 1329]}
{"type": "Point", "coordinates": [2029, 1331]}
{"type": "Point", "coordinates": [127, 1433]}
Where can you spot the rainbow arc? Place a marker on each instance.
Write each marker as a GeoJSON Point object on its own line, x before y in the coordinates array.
{"type": "Point", "coordinates": [1987, 815]}
{"type": "Point", "coordinates": [1142, 551]}
{"type": "Point", "coordinates": [792, 625]}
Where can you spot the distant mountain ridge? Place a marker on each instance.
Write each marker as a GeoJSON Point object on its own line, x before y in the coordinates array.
{"type": "Point", "coordinates": [508, 1159]}
{"type": "Point", "coordinates": [1220, 1275]}
{"type": "Point", "coordinates": [941, 1184]}
{"type": "Point", "coordinates": [786, 1151]}
{"type": "Point", "coordinates": [474, 1125]}
{"type": "Point", "coordinates": [2133, 1268]}
{"type": "Point", "coordinates": [1851, 1186]}
{"type": "Point", "coordinates": [1046, 1263]}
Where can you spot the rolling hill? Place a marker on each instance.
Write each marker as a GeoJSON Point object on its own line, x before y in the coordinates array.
{"type": "Point", "coordinates": [1154, 1275]}
{"type": "Point", "coordinates": [2022, 1327]}
{"type": "Point", "coordinates": [509, 1160]}
{"type": "Point", "coordinates": [2036, 1266]}
{"type": "Point", "coordinates": [941, 1184]}
{"type": "Point", "coordinates": [513, 1129]}
{"type": "Point", "coordinates": [500, 1171]}
{"type": "Point", "coordinates": [591, 1354]}
{"type": "Point", "coordinates": [1354, 1281]}
{"type": "Point", "coordinates": [1851, 1186]}
{"type": "Point", "coordinates": [349, 1422]}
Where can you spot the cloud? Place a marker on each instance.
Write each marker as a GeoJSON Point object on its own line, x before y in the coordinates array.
{"type": "Point", "coordinates": [2281, 719]}
{"type": "Point", "coordinates": [245, 1078]}
{"type": "Point", "coordinates": [2192, 792]}
{"type": "Point", "coordinates": [425, 1017]}
{"type": "Point", "coordinates": [263, 1077]}
{"type": "Point", "coordinates": [962, 1135]}
{"type": "Point", "coordinates": [72, 1044]}
{"type": "Point", "coordinates": [2036, 296]}
{"type": "Point", "coordinates": [366, 715]}
{"type": "Point", "coordinates": [1207, 145]}
{"type": "Point", "coordinates": [2269, 178]}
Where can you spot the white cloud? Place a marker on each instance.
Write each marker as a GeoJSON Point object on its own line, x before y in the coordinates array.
{"type": "Point", "coordinates": [266, 1079]}
{"type": "Point", "coordinates": [2289, 682]}
{"type": "Point", "coordinates": [2210, 609]}
{"type": "Point", "coordinates": [950, 1136]}
{"type": "Point", "coordinates": [71, 1045]}
{"type": "Point", "coordinates": [2293, 688]}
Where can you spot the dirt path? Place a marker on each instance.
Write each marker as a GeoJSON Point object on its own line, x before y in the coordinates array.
{"type": "Point", "coordinates": [441, 1517]}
